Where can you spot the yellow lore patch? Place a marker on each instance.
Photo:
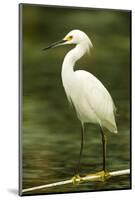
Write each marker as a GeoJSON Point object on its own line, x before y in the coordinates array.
{"type": "Point", "coordinates": [68, 38]}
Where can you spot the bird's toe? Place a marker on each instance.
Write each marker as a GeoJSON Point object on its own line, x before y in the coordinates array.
{"type": "Point", "coordinates": [76, 179]}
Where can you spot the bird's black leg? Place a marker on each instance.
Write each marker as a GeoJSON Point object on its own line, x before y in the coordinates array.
{"type": "Point", "coordinates": [104, 148]}
{"type": "Point", "coordinates": [76, 178]}
{"type": "Point", "coordinates": [104, 174]}
{"type": "Point", "coordinates": [81, 150]}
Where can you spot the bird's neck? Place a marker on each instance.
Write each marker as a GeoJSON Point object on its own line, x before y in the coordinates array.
{"type": "Point", "coordinates": [68, 66]}
{"type": "Point", "coordinates": [71, 58]}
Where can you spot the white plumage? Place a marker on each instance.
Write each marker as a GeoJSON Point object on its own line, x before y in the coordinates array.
{"type": "Point", "coordinates": [89, 97]}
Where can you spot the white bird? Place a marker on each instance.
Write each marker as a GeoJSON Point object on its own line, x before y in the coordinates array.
{"type": "Point", "coordinates": [90, 99]}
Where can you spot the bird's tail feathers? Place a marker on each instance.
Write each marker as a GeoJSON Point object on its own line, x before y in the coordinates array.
{"type": "Point", "coordinates": [111, 127]}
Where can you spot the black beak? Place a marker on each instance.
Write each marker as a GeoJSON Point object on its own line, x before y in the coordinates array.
{"type": "Point", "coordinates": [54, 45]}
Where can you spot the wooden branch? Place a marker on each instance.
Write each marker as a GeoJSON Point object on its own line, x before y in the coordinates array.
{"type": "Point", "coordinates": [76, 180]}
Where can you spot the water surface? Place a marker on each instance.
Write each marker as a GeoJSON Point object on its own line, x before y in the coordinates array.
{"type": "Point", "coordinates": [51, 130]}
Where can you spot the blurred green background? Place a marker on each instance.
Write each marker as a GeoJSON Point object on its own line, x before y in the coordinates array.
{"type": "Point", "coordinates": [50, 129]}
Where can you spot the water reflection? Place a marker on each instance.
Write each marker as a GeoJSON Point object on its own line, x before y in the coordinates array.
{"type": "Point", "coordinates": [51, 150]}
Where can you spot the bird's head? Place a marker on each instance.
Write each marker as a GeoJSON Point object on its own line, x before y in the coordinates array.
{"type": "Point", "coordinates": [73, 37]}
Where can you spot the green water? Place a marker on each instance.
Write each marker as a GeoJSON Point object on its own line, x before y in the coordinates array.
{"type": "Point", "coordinates": [50, 129]}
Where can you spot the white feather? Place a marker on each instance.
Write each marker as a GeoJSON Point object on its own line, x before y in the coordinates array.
{"type": "Point", "coordinates": [91, 99]}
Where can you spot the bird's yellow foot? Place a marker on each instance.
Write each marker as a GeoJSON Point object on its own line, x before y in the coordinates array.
{"type": "Point", "coordinates": [76, 179]}
{"type": "Point", "coordinates": [101, 176]}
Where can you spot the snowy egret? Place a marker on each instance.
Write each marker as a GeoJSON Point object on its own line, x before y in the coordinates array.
{"type": "Point", "coordinates": [90, 99]}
